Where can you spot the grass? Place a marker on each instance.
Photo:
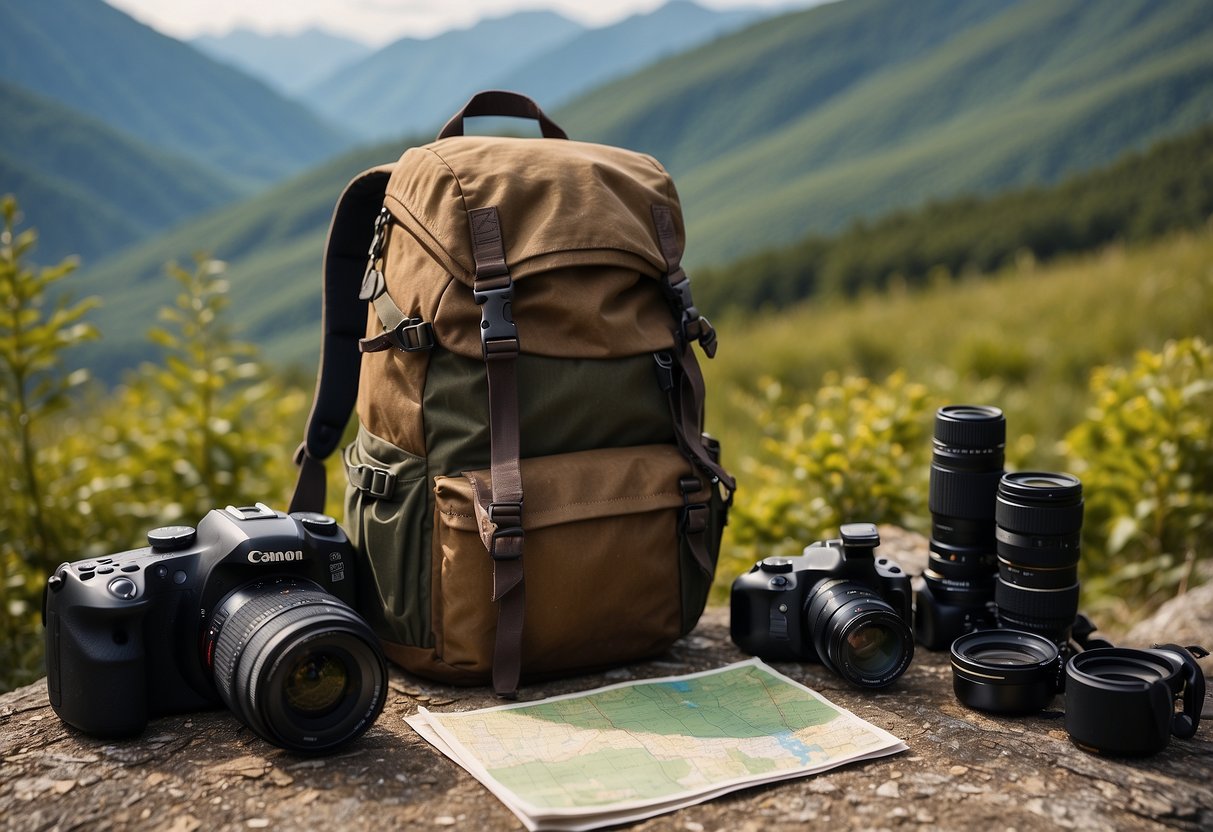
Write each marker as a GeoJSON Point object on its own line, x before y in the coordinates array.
{"type": "Point", "coordinates": [1025, 339]}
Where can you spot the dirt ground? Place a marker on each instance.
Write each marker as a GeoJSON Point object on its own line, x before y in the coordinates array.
{"type": "Point", "coordinates": [964, 769]}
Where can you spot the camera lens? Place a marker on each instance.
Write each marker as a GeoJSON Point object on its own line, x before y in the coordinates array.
{"type": "Point", "coordinates": [1005, 671]}
{"type": "Point", "coordinates": [1122, 701]}
{"type": "Point", "coordinates": [858, 634]}
{"type": "Point", "coordinates": [296, 664]}
{"type": "Point", "coordinates": [966, 464]}
{"type": "Point", "coordinates": [1039, 521]}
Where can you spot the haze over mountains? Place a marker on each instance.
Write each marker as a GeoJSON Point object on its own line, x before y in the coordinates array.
{"type": "Point", "coordinates": [773, 127]}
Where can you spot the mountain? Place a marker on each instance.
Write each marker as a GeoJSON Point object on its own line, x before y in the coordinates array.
{"type": "Point", "coordinates": [806, 121]}
{"type": "Point", "coordinates": [288, 63]}
{"type": "Point", "coordinates": [89, 189]}
{"type": "Point", "coordinates": [273, 242]}
{"type": "Point", "coordinates": [98, 61]}
{"type": "Point", "coordinates": [600, 55]}
{"type": "Point", "coordinates": [893, 103]}
{"type": "Point", "coordinates": [1165, 189]}
{"type": "Point", "coordinates": [416, 85]}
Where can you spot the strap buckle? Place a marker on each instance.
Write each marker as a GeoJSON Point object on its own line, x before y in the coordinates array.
{"type": "Point", "coordinates": [412, 335]}
{"type": "Point", "coordinates": [377, 482]}
{"type": "Point", "coordinates": [694, 519]}
{"type": "Point", "coordinates": [498, 334]}
{"type": "Point", "coordinates": [507, 517]}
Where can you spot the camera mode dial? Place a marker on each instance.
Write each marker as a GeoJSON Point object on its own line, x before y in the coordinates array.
{"type": "Point", "coordinates": [775, 565]}
{"type": "Point", "coordinates": [171, 538]}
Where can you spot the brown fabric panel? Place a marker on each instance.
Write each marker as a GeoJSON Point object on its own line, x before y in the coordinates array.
{"type": "Point", "coordinates": [618, 313]}
{"type": "Point", "coordinates": [392, 382]}
{"type": "Point", "coordinates": [562, 184]}
{"type": "Point", "coordinates": [578, 576]}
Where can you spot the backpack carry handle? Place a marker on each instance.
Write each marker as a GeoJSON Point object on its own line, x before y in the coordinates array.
{"type": "Point", "coordinates": [502, 103]}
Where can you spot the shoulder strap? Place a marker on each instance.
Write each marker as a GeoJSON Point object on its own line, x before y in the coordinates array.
{"type": "Point", "coordinates": [344, 323]}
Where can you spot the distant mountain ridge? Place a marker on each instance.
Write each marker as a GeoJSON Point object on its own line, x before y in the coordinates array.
{"type": "Point", "coordinates": [289, 63]}
{"type": "Point", "coordinates": [94, 59]}
{"type": "Point", "coordinates": [850, 109]}
{"type": "Point", "coordinates": [600, 55]}
{"type": "Point", "coordinates": [798, 124]}
{"type": "Point", "coordinates": [414, 84]}
{"type": "Point", "coordinates": [90, 189]}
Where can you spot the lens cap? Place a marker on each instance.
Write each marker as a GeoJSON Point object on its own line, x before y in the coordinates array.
{"type": "Point", "coordinates": [1005, 671]}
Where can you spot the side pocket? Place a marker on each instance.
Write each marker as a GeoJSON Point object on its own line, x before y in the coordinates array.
{"type": "Point", "coordinates": [388, 520]}
{"type": "Point", "coordinates": [602, 558]}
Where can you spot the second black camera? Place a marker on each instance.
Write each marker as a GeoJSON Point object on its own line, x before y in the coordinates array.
{"type": "Point", "coordinates": [837, 603]}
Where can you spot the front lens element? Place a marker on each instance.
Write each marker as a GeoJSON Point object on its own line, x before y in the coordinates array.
{"type": "Point", "coordinates": [317, 683]}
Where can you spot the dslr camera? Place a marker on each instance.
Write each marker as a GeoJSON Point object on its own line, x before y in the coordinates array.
{"type": "Point", "coordinates": [837, 603]}
{"type": "Point", "coordinates": [252, 610]}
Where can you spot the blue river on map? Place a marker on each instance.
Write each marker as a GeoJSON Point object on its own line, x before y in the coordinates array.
{"type": "Point", "coordinates": [803, 753]}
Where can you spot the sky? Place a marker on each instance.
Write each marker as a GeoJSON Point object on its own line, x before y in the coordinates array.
{"type": "Point", "coordinates": [378, 21]}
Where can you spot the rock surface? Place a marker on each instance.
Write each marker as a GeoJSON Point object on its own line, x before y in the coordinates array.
{"type": "Point", "coordinates": [964, 769]}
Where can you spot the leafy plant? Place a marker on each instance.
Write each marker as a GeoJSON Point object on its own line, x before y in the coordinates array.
{"type": "Point", "coordinates": [1145, 455]}
{"type": "Point", "coordinates": [855, 451]}
{"type": "Point", "coordinates": [36, 327]}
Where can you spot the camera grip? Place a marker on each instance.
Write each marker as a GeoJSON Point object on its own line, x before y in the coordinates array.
{"type": "Point", "coordinates": [99, 669]}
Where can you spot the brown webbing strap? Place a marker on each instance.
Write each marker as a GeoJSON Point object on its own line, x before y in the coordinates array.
{"type": "Point", "coordinates": [493, 290]}
{"type": "Point", "coordinates": [687, 398]}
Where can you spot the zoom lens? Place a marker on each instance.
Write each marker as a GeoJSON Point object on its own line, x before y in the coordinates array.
{"type": "Point", "coordinates": [966, 464]}
{"type": "Point", "coordinates": [296, 665]}
{"type": "Point", "coordinates": [1005, 671]}
{"type": "Point", "coordinates": [857, 634]}
{"type": "Point", "coordinates": [1039, 522]}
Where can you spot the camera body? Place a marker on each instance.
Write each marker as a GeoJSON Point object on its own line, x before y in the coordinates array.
{"type": "Point", "coordinates": [938, 623]}
{"type": "Point", "coordinates": [802, 608]}
{"type": "Point", "coordinates": [133, 636]}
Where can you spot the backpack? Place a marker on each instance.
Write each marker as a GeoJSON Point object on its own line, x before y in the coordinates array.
{"type": "Point", "coordinates": [530, 490]}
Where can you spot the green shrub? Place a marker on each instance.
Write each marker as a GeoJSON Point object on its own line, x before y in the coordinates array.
{"type": "Point", "coordinates": [1145, 456]}
{"type": "Point", "coordinates": [855, 451]}
{"type": "Point", "coordinates": [37, 324]}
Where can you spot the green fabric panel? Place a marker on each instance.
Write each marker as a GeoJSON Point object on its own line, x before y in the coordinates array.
{"type": "Point", "coordinates": [394, 535]}
{"type": "Point", "coordinates": [564, 405]}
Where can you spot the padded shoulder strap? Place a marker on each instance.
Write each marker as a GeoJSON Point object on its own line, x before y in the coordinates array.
{"type": "Point", "coordinates": [344, 323]}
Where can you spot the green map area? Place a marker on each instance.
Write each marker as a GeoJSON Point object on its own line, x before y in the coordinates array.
{"type": "Point", "coordinates": [658, 741]}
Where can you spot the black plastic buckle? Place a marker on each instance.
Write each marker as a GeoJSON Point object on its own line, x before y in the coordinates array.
{"type": "Point", "coordinates": [507, 517]}
{"type": "Point", "coordinates": [412, 335]}
{"type": "Point", "coordinates": [694, 519]}
{"type": "Point", "coordinates": [498, 335]}
{"type": "Point", "coordinates": [699, 328]}
{"type": "Point", "coordinates": [665, 371]}
{"type": "Point", "coordinates": [378, 482]}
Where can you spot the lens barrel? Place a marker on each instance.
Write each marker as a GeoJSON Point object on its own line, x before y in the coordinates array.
{"type": "Point", "coordinates": [857, 634]}
{"type": "Point", "coordinates": [966, 464]}
{"type": "Point", "coordinates": [296, 665]}
{"type": "Point", "coordinates": [1005, 671]}
{"type": "Point", "coordinates": [1039, 523]}
{"type": "Point", "coordinates": [1121, 701]}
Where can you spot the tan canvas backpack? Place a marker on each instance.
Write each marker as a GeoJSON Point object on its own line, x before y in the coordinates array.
{"type": "Point", "coordinates": [530, 487]}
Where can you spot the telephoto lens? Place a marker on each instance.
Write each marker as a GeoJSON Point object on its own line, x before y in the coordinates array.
{"type": "Point", "coordinates": [966, 465]}
{"type": "Point", "coordinates": [1039, 521]}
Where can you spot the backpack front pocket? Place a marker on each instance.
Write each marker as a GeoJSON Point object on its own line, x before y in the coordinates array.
{"type": "Point", "coordinates": [601, 559]}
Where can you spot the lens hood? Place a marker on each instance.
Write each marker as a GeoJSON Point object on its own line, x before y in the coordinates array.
{"type": "Point", "coordinates": [1005, 671]}
{"type": "Point", "coordinates": [1121, 701]}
